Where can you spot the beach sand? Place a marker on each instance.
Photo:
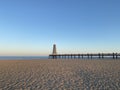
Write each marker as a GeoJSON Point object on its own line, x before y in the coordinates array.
{"type": "Point", "coordinates": [59, 74]}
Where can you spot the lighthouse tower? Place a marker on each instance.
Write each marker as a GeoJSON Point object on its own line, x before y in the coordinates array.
{"type": "Point", "coordinates": [54, 50]}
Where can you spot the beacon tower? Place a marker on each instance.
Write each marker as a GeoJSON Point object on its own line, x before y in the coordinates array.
{"type": "Point", "coordinates": [54, 50]}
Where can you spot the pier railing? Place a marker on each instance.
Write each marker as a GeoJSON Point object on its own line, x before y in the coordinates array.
{"type": "Point", "coordinates": [82, 56]}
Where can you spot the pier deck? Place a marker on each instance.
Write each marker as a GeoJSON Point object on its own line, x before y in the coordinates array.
{"type": "Point", "coordinates": [88, 55]}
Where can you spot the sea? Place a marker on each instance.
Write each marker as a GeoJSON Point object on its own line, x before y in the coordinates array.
{"type": "Point", "coordinates": [23, 57]}
{"type": "Point", "coordinates": [45, 58]}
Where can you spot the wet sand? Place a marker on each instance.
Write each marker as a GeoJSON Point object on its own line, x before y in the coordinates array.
{"type": "Point", "coordinates": [59, 74]}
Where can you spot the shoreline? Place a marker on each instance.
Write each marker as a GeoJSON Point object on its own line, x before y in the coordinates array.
{"type": "Point", "coordinates": [105, 59]}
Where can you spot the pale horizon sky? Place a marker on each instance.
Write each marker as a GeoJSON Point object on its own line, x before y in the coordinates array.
{"type": "Point", "coordinates": [31, 27]}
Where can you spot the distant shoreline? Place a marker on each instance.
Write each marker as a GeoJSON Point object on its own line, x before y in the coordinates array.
{"type": "Point", "coordinates": [22, 57]}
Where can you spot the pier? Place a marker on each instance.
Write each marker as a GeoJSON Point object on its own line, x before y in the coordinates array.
{"type": "Point", "coordinates": [54, 55]}
{"type": "Point", "coordinates": [82, 56]}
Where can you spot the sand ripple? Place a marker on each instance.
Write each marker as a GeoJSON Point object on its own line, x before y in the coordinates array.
{"type": "Point", "coordinates": [60, 75]}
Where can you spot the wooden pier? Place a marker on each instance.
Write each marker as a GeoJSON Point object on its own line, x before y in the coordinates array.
{"type": "Point", "coordinates": [86, 56]}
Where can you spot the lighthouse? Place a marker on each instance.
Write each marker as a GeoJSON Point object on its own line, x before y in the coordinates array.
{"type": "Point", "coordinates": [54, 50]}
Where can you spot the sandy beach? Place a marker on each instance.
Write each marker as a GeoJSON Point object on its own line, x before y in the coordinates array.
{"type": "Point", "coordinates": [59, 74]}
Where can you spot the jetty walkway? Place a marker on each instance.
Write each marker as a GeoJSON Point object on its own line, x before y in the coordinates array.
{"type": "Point", "coordinates": [82, 56]}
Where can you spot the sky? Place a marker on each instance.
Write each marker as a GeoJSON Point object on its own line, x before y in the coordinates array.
{"type": "Point", "coordinates": [31, 27]}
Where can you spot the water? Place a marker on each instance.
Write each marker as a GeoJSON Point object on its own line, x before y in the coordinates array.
{"type": "Point", "coordinates": [44, 58]}
{"type": "Point", "coordinates": [23, 57]}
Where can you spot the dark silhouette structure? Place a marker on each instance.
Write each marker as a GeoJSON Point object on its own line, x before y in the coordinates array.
{"type": "Point", "coordinates": [54, 55]}
{"type": "Point", "coordinates": [54, 52]}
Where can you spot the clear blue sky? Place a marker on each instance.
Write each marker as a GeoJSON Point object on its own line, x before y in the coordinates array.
{"type": "Point", "coordinates": [31, 27]}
